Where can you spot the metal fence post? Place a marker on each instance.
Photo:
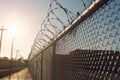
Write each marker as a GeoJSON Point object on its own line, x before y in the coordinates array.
{"type": "Point", "coordinates": [41, 66]}
{"type": "Point", "coordinates": [53, 69]}
{"type": "Point", "coordinates": [36, 68]}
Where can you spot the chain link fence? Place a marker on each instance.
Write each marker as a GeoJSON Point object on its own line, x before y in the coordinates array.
{"type": "Point", "coordinates": [42, 66]}
{"type": "Point", "coordinates": [100, 31]}
{"type": "Point", "coordinates": [88, 65]}
{"type": "Point", "coordinates": [96, 33]}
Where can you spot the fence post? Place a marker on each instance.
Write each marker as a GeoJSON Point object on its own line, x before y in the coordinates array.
{"type": "Point", "coordinates": [53, 69]}
{"type": "Point", "coordinates": [41, 66]}
{"type": "Point", "coordinates": [36, 69]}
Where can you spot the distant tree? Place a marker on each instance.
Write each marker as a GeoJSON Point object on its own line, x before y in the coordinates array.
{"type": "Point", "coordinates": [0, 57]}
{"type": "Point", "coordinates": [5, 58]}
{"type": "Point", "coordinates": [21, 59]}
{"type": "Point", "coordinates": [12, 59]}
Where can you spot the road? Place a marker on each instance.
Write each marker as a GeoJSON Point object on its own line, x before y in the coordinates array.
{"type": "Point", "coordinates": [21, 75]}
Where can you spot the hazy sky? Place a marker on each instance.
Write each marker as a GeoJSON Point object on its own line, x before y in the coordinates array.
{"type": "Point", "coordinates": [26, 15]}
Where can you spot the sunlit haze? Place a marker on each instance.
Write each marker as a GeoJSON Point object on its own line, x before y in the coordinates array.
{"type": "Point", "coordinates": [14, 30]}
{"type": "Point", "coordinates": [22, 19]}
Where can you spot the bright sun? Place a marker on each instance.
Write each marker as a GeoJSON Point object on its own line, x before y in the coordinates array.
{"type": "Point", "coordinates": [13, 29]}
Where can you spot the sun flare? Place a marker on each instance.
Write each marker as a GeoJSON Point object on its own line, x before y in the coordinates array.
{"type": "Point", "coordinates": [13, 29]}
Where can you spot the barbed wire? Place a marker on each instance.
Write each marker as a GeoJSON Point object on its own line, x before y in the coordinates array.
{"type": "Point", "coordinates": [54, 23]}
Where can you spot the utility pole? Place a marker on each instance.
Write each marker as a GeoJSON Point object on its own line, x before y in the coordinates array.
{"type": "Point", "coordinates": [2, 29]}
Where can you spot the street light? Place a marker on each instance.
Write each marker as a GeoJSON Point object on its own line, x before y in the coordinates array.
{"type": "Point", "coordinates": [13, 33]}
{"type": "Point", "coordinates": [12, 46]}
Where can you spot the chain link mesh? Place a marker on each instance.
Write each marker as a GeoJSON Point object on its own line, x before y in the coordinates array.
{"type": "Point", "coordinates": [98, 41]}
{"type": "Point", "coordinates": [88, 65]}
{"type": "Point", "coordinates": [101, 31]}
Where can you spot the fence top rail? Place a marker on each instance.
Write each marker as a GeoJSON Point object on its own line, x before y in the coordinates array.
{"type": "Point", "coordinates": [84, 15]}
